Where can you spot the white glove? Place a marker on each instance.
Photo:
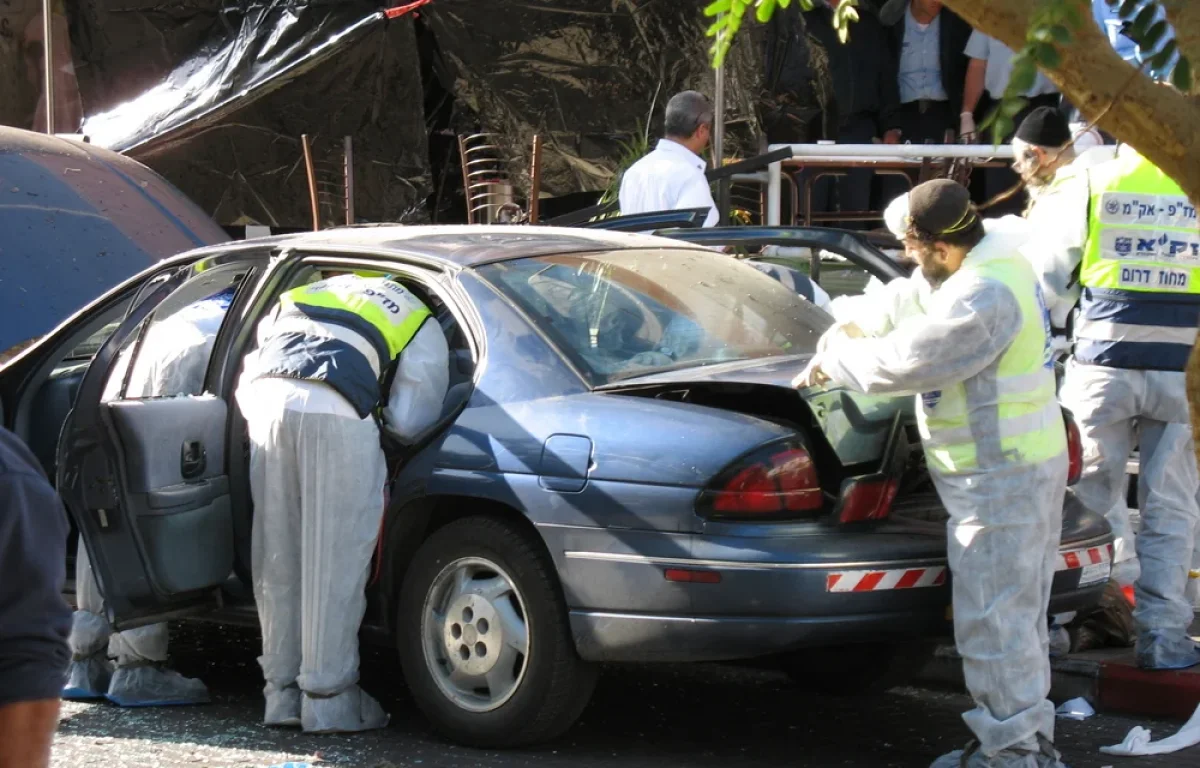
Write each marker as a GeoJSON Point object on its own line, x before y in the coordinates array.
{"type": "Point", "coordinates": [966, 125]}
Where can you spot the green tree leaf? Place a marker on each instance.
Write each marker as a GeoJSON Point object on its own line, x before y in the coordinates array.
{"type": "Point", "coordinates": [1154, 35]}
{"type": "Point", "coordinates": [1047, 56]}
{"type": "Point", "coordinates": [1144, 18]}
{"type": "Point", "coordinates": [1011, 107]}
{"type": "Point", "coordinates": [718, 7]}
{"type": "Point", "coordinates": [766, 8]}
{"type": "Point", "coordinates": [1024, 73]}
{"type": "Point", "coordinates": [1181, 77]}
{"type": "Point", "coordinates": [1163, 57]}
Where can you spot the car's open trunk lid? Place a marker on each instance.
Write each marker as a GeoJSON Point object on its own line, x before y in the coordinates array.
{"type": "Point", "coordinates": [856, 426]}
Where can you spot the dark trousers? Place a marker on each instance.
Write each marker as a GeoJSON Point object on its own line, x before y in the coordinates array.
{"type": "Point", "coordinates": [851, 191]}
{"type": "Point", "coordinates": [920, 122]}
{"type": "Point", "coordinates": [997, 180]}
{"type": "Point", "coordinates": [926, 122]}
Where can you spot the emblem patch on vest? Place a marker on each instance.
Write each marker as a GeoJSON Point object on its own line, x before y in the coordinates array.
{"type": "Point", "coordinates": [931, 399]}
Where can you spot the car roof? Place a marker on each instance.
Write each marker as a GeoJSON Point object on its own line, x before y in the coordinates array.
{"type": "Point", "coordinates": [467, 245]}
{"type": "Point", "coordinates": [76, 220]}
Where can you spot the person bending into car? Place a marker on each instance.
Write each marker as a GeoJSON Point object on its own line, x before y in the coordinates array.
{"type": "Point", "coordinates": [172, 361]}
{"type": "Point", "coordinates": [979, 356]}
{"type": "Point", "coordinates": [336, 360]}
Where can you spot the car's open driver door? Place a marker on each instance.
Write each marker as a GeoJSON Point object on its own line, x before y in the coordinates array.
{"type": "Point", "coordinates": [145, 479]}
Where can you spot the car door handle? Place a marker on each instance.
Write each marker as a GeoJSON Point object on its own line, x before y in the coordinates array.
{"type": "Point", "coordinates": [192, 459]}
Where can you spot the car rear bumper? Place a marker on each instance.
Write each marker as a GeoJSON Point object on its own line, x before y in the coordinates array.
{"type": "Point", "coordinates": [606, 636]}
{"type": "Point", "coordinates": [713, 598]}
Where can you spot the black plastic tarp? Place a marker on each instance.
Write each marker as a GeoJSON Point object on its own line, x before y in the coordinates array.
{"type": "Point", "coordinates": [215, 94]}
{"type": "Point", "coordinates": [225, 124]}
{"type": "Point", "coordinates": [585, 75]}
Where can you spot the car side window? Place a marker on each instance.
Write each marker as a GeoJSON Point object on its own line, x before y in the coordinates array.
{"type": "Point", "coordinates": [169, 355]}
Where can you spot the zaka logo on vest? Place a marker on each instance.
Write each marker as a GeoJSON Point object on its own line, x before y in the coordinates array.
{"type": "Point", "coordinates": [931, 399]}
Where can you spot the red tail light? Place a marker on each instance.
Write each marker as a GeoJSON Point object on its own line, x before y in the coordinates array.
{"type": "Point", "coordinates": [1074, 451]}
{"type": "Point", "coordinates": [778, 482]}
{"type": "Point", "coordinates": [867, 499]}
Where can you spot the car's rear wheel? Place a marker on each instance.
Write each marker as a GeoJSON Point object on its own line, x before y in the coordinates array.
{"type": "Point", "coordinates": [484, 638]}
{"type": "Point", "coordinates": [860, 669]}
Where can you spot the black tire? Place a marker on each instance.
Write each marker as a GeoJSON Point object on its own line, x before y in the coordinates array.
{"type": "Point", "coordinates": [557, 684]}
{"type": "Point", "coordinates": [858, 670]}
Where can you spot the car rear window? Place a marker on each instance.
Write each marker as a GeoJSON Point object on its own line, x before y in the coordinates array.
{"type": "Point", "coordinates": [621, 314]}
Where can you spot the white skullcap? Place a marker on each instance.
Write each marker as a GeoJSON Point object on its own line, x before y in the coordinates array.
{"type": "Point", "coordinates": [896, 217]}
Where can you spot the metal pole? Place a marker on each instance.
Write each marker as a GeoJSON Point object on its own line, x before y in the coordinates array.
{"type": "Point", "coordinates": [889, 152]}
{"type": "Point", "coordinates": [48, 60]}
{"type": "Point", "coordinates": [774, 186]}
{"type": "Point", "coordinates": [718, 137]}
{"type": "Point", "coordinates": [312, 181]}
{"type": "Point", "coordinates": [535, 180]}
{"type": "Point", "coordinates": [349, 181]}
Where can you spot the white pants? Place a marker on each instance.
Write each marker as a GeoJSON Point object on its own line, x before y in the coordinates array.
{"type": "Point", "coordinates": [318, 486]}
{"type": "Point", "coordinates": [1002, 545]}
{"type": "Point", "coordinates": [90, 631]}
{"type": "Point", "coordinates": [1105, 403]}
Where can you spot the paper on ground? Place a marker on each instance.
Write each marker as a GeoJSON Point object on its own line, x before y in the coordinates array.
{"type": "Point", "coordinates": [1076, 709]}
{"type": "Point", "coordinates": [1137, 742]}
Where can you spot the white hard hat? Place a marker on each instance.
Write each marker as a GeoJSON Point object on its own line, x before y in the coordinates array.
{"type": "Point", "coordinates": [896, 217]}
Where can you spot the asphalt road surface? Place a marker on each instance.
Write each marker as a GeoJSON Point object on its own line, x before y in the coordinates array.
{"type": "Point", "coordinates": [641, 717]}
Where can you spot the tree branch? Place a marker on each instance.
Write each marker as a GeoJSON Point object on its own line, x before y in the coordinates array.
{"type": "Point", "coordinates": [1157, 121]}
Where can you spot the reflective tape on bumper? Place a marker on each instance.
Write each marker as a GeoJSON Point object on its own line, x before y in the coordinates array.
{"type": "Point", "coordinates": [879, 581]}
{"type": "Point", "coordinates": [1081, 558]}
{"type": "Point", "coordinates": [1094, 562]}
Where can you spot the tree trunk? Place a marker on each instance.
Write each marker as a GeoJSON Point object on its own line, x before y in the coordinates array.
{"type": "Point", "coordinates": [1156, 120]}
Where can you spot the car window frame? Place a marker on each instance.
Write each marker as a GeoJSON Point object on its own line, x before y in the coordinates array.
{"type": "Point", "coordinates": [243, 262]}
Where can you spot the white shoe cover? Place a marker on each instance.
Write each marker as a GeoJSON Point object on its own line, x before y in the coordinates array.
{"type": "Point", "coordinates": [88, 678]}
{"type": "Point", "coordinates": [152, 686]}
{"type": "Point", "coordinates": [283, 707]}
{"type": "Point", "coordinates": [350, 711]}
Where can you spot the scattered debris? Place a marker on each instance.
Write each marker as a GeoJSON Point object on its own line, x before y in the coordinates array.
{"type": "Point", "coordinates": [1137, 741]}
{"type": "Point", "coordinates": [1076, 709]}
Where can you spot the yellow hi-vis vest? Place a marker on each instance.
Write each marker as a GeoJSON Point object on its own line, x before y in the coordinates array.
{"type": "Point", "coordinates": [369, 322]}
{"type": "Point", "coordinates": [1008, 414]}
{"type": "Point", "coordinates": [1140, 272]}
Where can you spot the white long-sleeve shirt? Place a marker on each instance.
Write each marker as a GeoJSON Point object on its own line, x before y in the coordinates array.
{"type": "Point", "coordinates": [670, 178]}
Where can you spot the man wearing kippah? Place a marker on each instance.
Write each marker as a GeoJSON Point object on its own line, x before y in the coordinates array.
{"type": "Point", "coordinates": [1118, 254]}
{"type": "Point", "coordinates": [979, 359]}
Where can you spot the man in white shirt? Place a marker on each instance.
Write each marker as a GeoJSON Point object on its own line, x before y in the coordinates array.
{"type": "Point", "coordinates": [988, 70]}
{"type": "Point", "coordinates": [672, 177]}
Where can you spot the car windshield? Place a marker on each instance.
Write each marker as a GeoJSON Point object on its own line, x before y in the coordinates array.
{"type": "Point", "coordinates": [621, 314]}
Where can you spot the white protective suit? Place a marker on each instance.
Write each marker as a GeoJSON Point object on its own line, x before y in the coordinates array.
{"type": "Point", "coordinates": [1005, 519]}
{"type": "Point", "coordinates": [318, 477]}
{"type": "Point", "coordinates": [172, 361]}
{"type": "Point", "coordinates": [1113, 407]}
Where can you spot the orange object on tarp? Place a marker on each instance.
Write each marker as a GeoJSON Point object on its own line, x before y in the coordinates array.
{"type": "Point", "coordinates": [1128, 592]}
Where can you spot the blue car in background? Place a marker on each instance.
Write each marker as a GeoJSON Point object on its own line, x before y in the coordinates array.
{"type": "Point", "coordinates": [75, 220]}
{"type": "Point", "coordinates": [621, 472]}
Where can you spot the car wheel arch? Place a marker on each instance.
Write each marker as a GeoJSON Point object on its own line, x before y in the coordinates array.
{"type": "Point", "coordinates": [409, 525]}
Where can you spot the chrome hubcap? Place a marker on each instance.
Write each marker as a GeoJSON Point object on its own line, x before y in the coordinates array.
{"type": "Point", "coordinates": [476, 636]}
